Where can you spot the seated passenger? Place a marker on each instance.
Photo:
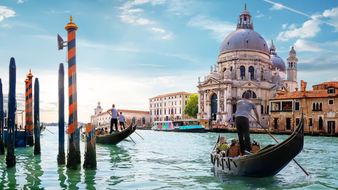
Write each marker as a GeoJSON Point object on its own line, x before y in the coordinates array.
{"type": "Point", "coordinates": [255, 147]}
{"type": "Point", "coordinates": [234, 149]}
{"type": "Point", "coordinates": [222, 145]}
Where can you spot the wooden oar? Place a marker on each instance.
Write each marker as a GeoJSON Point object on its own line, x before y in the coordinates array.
{"type": "Point", "coordinates": [216, 142]}
{"type": "Point", "coordinates": [139, 135]}
{"type": "Point", "coordinates": [49, 130]}
{"type": "Point", "coordinates": [132, 139]}
{"type": "Point", "coordinates": [274, 138]}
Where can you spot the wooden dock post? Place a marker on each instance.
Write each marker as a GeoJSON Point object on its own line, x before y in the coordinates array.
{"type": "Point", "coordinates": [2, 148]}
{"type": "Point", "coordinates": [61, 155]}
{"type": "Point", "coordinates": [74, 156]}
{"type": "Point", "coordinates": [37, 147]}
{"type": "Point", "coordinates": [90, 154]}
{"type": "Point", "coordinates": [10, 156]}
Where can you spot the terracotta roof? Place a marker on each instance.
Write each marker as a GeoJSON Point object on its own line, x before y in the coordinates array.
{"type": "Point", "coordinates": [306, 94]}
{"type": "Point", "coordinates": [325, 85]}
{"type": "Point", "coordinates": [172, 94]}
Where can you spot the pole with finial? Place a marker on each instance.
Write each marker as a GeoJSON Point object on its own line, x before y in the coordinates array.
{"type": "Point", "coordinates": [61, 155]}
{"type": "Point", "coordinates": [10, 156]}
{"type": "Point", "coordinates": [37, 147]}
{"type": "Point", "coordinates": [2, 147]}
{"type": "Point", "coordinates": [29, 108]}
{"type": "Point", "coordinates": [74, 157]}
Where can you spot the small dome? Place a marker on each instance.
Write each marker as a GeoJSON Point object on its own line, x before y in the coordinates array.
{"type": "Point", "coordinates": [244, 39]}
{"type": "Point", "coordinates": [277, 62]}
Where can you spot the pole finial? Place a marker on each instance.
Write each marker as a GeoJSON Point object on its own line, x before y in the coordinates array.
{"type": "Point", "coordinates": [245, 6]}
{"type": "Point", "coordinates": [70, 18]}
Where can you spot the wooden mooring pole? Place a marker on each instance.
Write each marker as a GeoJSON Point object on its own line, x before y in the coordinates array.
{"type": "Point", "coordinates": [61, 156]}
{"type": "Point", "coordinates": [10, 156]}
{"type": "Point", "coordinates": [37, 147]}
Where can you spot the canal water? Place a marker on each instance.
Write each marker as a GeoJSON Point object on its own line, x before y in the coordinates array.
{"type": "Point", "coordinates": [165, 160]}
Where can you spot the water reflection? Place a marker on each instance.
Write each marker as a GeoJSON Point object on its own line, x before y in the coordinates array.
{"type": "Point", "coordinates": [62, 176]}
{"type": "Point", "coordinates": [89, 175]}
{"type": "Point", "coordinates": [73, 178]}
{"type": "Point", "coordinates": [11, 179]}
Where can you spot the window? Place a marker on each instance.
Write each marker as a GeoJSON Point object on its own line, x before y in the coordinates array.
{"type": "Point", "coordinates": [262, 109]}
{"type": "Point", "coordinates": [275, 123]}
{"type": "Point", "coordinates": [297, 121]}
{"type": "Point", "coordinates": [288, 123]}
{"type": "Point", "coordinates": [296, 106]}
{"type": "Point", "coordinates": [310, 122]}
{"type": "Point", "coordinates": [320, 123]}
{"type": "Point", "coordinates": [252, 94]}
{"type": "Point", "coordinates": [242, 71]}
{"type": "Point", "coordinates": [275, 106]}
{"type": "Point", "coordinates": [252, 72]}
{"type": "Point", "coordinates": [287, 106]}
{"type": "Point", "coordinates": [331, 102]}
{"type": "Point", "coordinates": [331, 90]}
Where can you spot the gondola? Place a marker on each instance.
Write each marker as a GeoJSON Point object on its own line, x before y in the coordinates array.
{"type": "Point", "coordinates": [266, 162]}
{"type": "Point", "coordinates": [116, 137]}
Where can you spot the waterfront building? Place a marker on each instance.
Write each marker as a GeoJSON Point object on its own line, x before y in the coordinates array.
{"type": "Point", "coordinates": [319, 105]}
{"type": "Point", "coordinates": [245, 64]}
{"type": "Point", "coordinates": [168, 106]}
{"type": "Point", "coordinates": [102, 118]}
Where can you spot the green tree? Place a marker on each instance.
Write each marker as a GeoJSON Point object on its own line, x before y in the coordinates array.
{"type": "Point", "coordinates": [191, 109]}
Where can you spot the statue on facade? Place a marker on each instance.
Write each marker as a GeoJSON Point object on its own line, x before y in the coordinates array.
{"type": "Point", "coordinates": [258, 74]}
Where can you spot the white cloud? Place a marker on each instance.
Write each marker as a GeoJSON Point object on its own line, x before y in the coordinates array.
{"type": "Point", "coordinates": [309, 29]}
{"type": "Point", "coordinates": [6, 12]}
{"type": "Point", "coordinates": [331, 15]}
{"type": "Point", "coordinates": [306, 46]}
{"type": "Point", "coordinates": [20, 1]}
{"type": "Point", "coordinates": [131, 14]}
{"type": "Point", "coordinates": [218, 29]}
{"type": "Point", "coordinates": [259, 14]}
{"type": "Point", "coordinates": [277, 6]}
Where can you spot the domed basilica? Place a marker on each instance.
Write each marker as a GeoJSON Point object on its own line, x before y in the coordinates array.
{"type": "Point", "coordinates": [245, 63]}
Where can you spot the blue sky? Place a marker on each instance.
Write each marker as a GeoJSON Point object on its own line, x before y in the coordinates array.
{"type": "Point", "coordinates": [129, 51]}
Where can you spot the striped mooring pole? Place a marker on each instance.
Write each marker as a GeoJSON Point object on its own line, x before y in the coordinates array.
{"type": "Point", "coordinates": [10, 156]}
{"type": "Point", "coordinates": [61, 85]}
{"type": "Point", "coordinates": [29, 108]}
{"type": "Point", "coordinates": [37, 147]}
{"type": "Point", "coordinates": [90, 155]}
{"type": "Point", "coordinates": [74, 156]}
{"type": "Point", "coordinates": [2, 147]}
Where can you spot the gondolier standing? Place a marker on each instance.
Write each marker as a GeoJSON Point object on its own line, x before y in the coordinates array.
{"type": "Point", "coordinates": [113, 120]}
{"type": "Point", "coordinates": [244, 107]}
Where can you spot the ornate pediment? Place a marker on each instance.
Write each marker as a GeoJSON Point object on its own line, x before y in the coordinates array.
{"type": "Point", "coordinates": [249, 84]}
{"type": "Point", "coordinates": [211, 80]}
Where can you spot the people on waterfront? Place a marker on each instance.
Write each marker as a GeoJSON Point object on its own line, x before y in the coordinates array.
{"type": "Point", "coordinates": [222, 145]}
{"type": "Point", "coordinates": [242, 115]}
{"type": "Point", "coordinates": [122, 121]}
{"type": "Point", "coordinates": [113, 121]}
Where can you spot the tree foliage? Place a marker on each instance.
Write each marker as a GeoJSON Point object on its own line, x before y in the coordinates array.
{"type": "Point", "coordinates": [191, 109]}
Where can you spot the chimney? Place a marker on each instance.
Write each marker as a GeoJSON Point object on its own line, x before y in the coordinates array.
{"type": "Point", "coordinates": [303, 86]}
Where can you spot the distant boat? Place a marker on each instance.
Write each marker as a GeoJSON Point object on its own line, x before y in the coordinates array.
{"type": "Point", "coordinates": [187, 125]}
{"type": "Point", "coordinates": [266, 162]}
{"type": "Point", "coordinates": [116, 137]}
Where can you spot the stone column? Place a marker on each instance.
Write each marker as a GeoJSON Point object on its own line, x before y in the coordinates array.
{"type": "Point", "coordinates": [205, 102]}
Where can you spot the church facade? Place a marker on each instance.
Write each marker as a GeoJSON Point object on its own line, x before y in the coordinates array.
{"type": "Point", "coordinates": [245, 64]}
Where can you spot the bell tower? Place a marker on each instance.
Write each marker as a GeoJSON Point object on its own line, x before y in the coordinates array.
{"type": "Point", "coordinates": [291, 82]}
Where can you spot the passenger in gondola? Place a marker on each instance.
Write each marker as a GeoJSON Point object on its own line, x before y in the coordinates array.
{"type": "Point", "coordinates": [222, 145]}
{"type": "Point", "coordinates": [106, 131]}
{"type": "Point", "coordinates": [234, 149]}
{"type": "Point", "coordinates": [244, 107]}
{"type": "Point", "coordinates": [121, 121]}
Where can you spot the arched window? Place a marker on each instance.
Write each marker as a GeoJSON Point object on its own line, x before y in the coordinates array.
{"type": "Point", "coordinates": [242, 70]}
{"type": "Point", "coordinates": [313, 107]}
{"type": "Point", "coordinates": [320, 106]}
{"type": "Point", "coordinates": [252, 94]}
{"type": "Point", "coordinates": [252, 72]}
{"type": "Point", "coordinates": [262, 109]}
{"type": "Point", "coordinates": [317, 106]}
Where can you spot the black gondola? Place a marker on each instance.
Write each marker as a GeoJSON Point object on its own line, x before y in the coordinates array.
{"type": "Point", "coordinates": [266, 162]}
{"type": "Point", "coordinates": [115, 137]}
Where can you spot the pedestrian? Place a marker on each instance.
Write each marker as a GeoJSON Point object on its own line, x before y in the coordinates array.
{"type": "Point", "coordinates": [113, 120]}
{"type": "Point", "coordinates": [122, 121]}
{"type": "Point", "coordinates": [244, 107]}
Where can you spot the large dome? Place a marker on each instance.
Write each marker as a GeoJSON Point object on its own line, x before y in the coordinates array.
{"type": "Point", "coordinates": [277, 62]}
{"type": "Point", "coordinates": [244, 39]}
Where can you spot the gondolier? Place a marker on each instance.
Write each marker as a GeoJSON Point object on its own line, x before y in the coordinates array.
{"type": "Point", "coordinates": [244, 107]}
{"type": "Point", "coordinates": [113, 120]}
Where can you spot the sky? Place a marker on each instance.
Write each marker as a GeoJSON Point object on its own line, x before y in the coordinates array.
{"type": "Point", "coordinates": [131, 50]}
